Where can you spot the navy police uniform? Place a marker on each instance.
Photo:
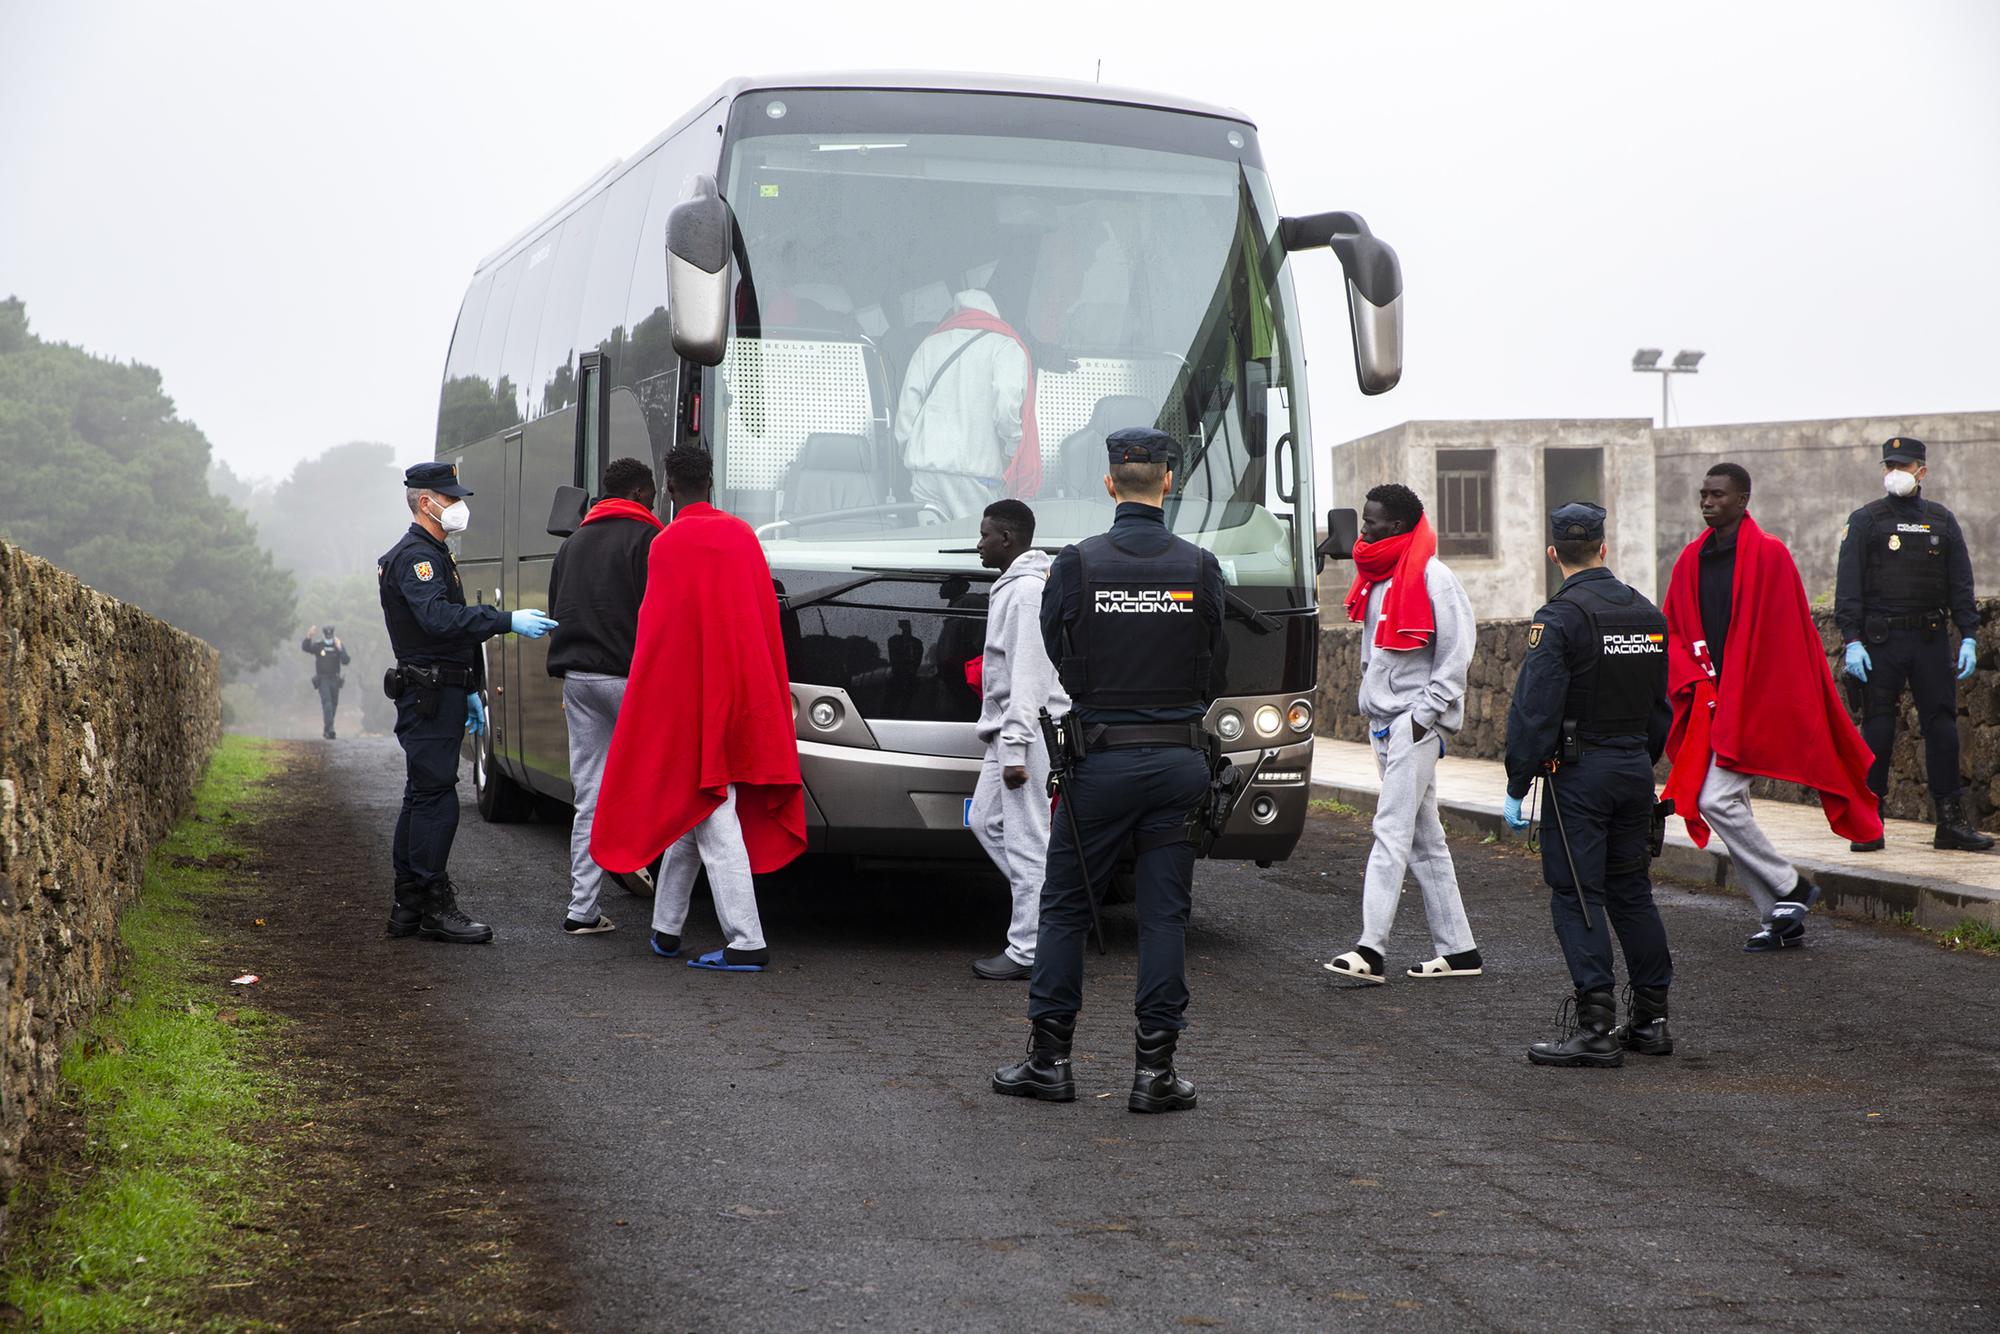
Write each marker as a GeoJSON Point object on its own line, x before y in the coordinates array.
{"type": "Point", "coordinates": [435, 637]}
{"type": "Point", "coordinates": [1596, 673]}
{"type": "Point", "coordinates": [1904, 577]}
{"type": "Point", "coordinates": [1133, 620]}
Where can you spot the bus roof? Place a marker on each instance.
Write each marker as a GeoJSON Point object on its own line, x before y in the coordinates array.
{"type": "Point", "coordinates": [873, 80]}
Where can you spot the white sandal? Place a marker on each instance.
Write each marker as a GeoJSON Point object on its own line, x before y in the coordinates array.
{"type": "Point", "coordinates": [1439, 968]}
{"type": "Point", "coordinates": [1351, 964]}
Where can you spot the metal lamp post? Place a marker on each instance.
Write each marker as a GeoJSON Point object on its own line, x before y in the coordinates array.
{"type": "Point", "coordinates": [1647, 361]}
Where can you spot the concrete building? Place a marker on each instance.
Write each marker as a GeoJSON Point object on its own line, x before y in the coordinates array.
{"type": "Point", "coordinates": [1488, 487]}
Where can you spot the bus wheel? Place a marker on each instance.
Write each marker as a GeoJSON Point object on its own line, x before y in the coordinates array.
{"type": "Point", "coordinates": [501, 800]}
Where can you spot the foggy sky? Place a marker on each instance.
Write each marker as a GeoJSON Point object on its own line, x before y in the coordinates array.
{"type": "Point", "coordinates": [280, 208]}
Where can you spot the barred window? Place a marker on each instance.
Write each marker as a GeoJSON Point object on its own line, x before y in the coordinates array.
{"type": "Point", "coordinates": [1464, 502]}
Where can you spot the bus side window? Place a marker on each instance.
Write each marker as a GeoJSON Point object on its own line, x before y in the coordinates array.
{"type": "Point", "coordinates": [590, 422]}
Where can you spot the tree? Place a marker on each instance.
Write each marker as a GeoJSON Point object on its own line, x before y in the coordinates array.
{"type": "Point", "coordinates": [106, 481]}
{"type": "Point", "coordinates": [334, 515]}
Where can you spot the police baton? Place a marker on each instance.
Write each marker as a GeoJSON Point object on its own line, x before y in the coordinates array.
{"type": "Point", "coordinates": [1576, 882]}
{"type": "Point", "coordinates": [1061, 760]}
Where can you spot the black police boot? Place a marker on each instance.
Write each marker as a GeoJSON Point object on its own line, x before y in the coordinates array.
{"type": "Point", "coordinates": [1645, 1026]}
{"type": "Point", "coordinates": [1046, 1073]}
{"type": "Point", "coordinates": [1587, 1040]}
{"type": "Point", "coordinates": [406, 914]}
{"type": "Point", "coordinates": [443, 920]}
{"type": "Point", "coordinates": [1155, 1086]}
{"type": "Point", "coordinates": [1954, 832]}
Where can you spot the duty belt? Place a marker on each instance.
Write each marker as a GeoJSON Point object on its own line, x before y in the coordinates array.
{"type": "Point", "coordinates": [461, 678]}
{"type": "Point", "coordinates": [1130, 736]}
{"type": "Point", "coordinates": [1921, 620]}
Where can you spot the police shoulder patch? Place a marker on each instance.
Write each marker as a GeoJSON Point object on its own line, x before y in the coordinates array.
{"type": "Point", "coordinates": [1535, 635]}
{"type": "Point", "coordinates": [424, 570]}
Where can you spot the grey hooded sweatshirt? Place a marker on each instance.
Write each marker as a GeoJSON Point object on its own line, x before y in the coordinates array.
{"type": "Point", "coordinates": [1020, 681]}
{"type": "Point", "coordinates": [1427, 683]}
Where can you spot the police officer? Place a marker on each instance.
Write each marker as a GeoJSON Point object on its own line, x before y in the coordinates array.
{"type": "Point", "coordinates": [1590, 717]}
{"type": "Point", "coordinates": [329, 656]}
{"type": "Point", "coordinates": [435, 684]}
{"type": "Point", "coordinates": [1133, 620]}
{"type": "Point", "coordinates": [1905, 573]}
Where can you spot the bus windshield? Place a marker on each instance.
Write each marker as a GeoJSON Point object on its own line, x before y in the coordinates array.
{"type": "Point", "coordinates": [944, 299]}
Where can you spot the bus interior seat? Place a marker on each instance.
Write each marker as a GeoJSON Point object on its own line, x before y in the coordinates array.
{"type": "Point", "coordinates": [1080, 466]}
{"type": "Point", "coordinates": [832, 472]}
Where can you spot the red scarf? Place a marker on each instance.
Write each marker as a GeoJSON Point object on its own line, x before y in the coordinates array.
{"type": "Point", "coordinates": [1407, 620]}
{"type": "Point", "coordinates": [1024, 470]}
{"type": "Point", "coordinates": [708, 704]}
{"type": "Point", "coordinates": [617, 507]}
{"type": "Point", "coordinates": [1775, 713]}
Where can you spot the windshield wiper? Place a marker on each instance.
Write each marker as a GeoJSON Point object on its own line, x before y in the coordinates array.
{"type": "Point", "coordinates": [1262, 622]}
{"type": "Point", "coordinates": [874, 575]}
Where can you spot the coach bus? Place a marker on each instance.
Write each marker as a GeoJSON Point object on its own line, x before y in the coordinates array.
{"type": "Point", "coordinates": [821, 227]}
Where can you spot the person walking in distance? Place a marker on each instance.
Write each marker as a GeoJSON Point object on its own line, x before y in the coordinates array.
{"type": "Point", "coordinates": [1416, 647]}
{"type": "Point", "coordinates": [596, 585]}
{"type": "Point", "coordinates": [1753, 697]}
{"type": "Point", "coordinates": [329, 656]}
{"type": "Point", "coordinates": [1904, 576]}
{"type": "Point", "coordinates": [1010, 803]}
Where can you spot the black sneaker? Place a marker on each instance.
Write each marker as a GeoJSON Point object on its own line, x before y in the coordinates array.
{"type": "Point", "coordinates": [575, 928]}
{"type": "Point", "coordinates": [1001, 968]}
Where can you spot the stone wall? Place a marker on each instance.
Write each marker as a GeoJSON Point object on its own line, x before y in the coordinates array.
{"type": "Point", "coordinates": [106, 719]}
{"type": "Point", "coordinates": [1490, 686]}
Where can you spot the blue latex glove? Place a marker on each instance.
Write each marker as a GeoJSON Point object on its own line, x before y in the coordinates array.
{"type": "Point", "coordinates": [1858, 662]}
{"type": "Point", "coordinates": [531, 624]}
{"type": "Point", "coordinates": [1968, 658]}
{"type": "Point", "coordinates": [475, 715]}
{"type": "Point", "coordinates": [1510, 811]}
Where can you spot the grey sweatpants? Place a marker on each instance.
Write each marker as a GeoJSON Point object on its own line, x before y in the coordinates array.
{"type": "Point", "coordinates": [715, 843]}
{"type": "Point", "coordinates": [1012, 824]}
{"type": "Point", "coordinates": [1409, 836]}
{"type": "Point", "coordinates": [590, 706]}
{"type": "Point", "coordinates": [1760, 868]}
{"type": "Point", "coordinates": [959, 495]}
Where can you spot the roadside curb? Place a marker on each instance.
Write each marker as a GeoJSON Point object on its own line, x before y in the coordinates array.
{"type": "Point", "coordinates": [1928, 902]}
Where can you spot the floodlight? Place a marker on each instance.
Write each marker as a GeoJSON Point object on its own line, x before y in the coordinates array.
{"type": "Point", "coordinates": [1646, 358]}
{"type": "Point", "coordinates": [1686, 361]}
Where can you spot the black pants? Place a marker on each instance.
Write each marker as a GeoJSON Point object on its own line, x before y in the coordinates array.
{"type": "Point", "coordinates": [329, 699]}
{"type": "Point", "coordinates": [1928, 665]}
{"type": "Point", "coordinates": [1606, 803]}
{"type": "Point", "coordinates": [429, 818]}
{"type": "Point", "coordinates": [1118, 793]}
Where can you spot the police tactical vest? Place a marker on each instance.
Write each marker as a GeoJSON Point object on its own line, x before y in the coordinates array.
{"type": "Point", "coordinates": [1139, 640]}
{"type": "Point", "coordinates": [1614, 695]}
{"type": "Point", "coordinates": [1903, 559]}
{"type": "Point", "coordinates": [407, 638]}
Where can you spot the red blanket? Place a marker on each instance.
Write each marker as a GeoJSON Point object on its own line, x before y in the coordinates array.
{"type": "Point", "coordinates": [1775, 711]}
{"type": "Point", "coordinates": [1024, 470]}
{"type": "Point", "coordinates": [1407, 620]}
{"type": "Point", "coordinates": [708, 704]}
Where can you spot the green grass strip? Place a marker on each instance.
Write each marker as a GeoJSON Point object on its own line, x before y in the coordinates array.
{"type": "Point", "coordinates": [167, 1093]}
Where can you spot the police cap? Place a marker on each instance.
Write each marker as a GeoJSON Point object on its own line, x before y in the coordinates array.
{"type": "Point", "coordinates": [439, 477]}
{"type": "Point", "coordinates": [1578, 521]}
{"type": "Point", "coordinates": [1902, 449]}
{"type": "Point", "coordinates": [1140, 444]}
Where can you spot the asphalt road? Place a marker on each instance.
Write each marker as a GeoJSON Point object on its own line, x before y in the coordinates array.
{"type": "Point", "coordinates": [817, 1146]}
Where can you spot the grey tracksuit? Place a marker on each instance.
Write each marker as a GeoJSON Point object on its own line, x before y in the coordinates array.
{"type": "Point", "coordinates": [1012, 824]}
{"type": "Point", "coordinates": [1400, 692]}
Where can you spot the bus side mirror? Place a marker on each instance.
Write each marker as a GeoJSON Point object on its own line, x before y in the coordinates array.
{"type": "Point", "coordinates": [1374, 290]}
{"type": "Point", "coordinates": [566, 514]}
{"type": "Point", "coordinates": [1343, 530]}
{"type": "Point", "coordinates": [698, 233]}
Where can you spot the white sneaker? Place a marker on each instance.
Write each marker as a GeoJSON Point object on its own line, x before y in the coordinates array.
{"type": "Point", "coordinates": [576, 928]}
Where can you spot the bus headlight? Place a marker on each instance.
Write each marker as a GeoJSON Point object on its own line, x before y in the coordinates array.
{"type": "Point", "coordinates": [825, 714]}
{"type": "Point", "coordinates": [1229, 726]}
{"type": "Point", "coordinates": [1269, 720]}
{"type": "Point", "coordinates": [1301, 716]}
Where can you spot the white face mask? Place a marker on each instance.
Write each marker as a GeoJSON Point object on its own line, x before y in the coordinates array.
{"type": "Point", "coordinates": [454, 517]}
{"type": "Point", "coordinates": [1899, 483]}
